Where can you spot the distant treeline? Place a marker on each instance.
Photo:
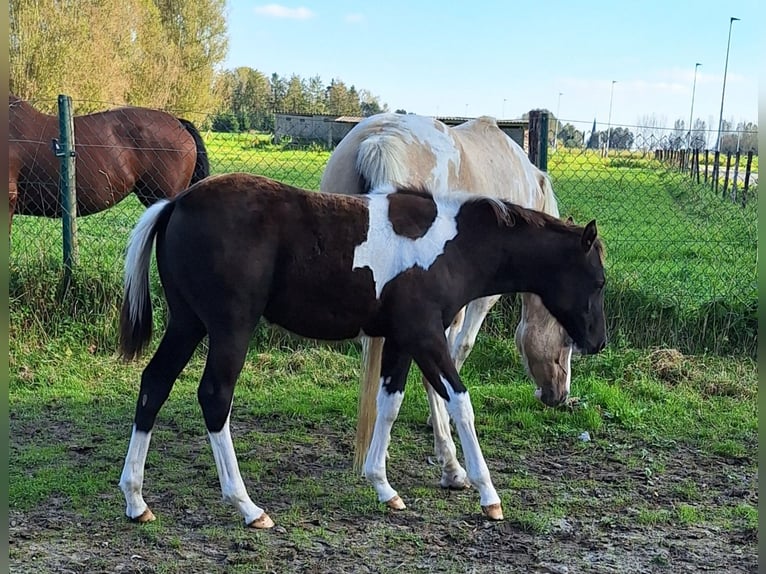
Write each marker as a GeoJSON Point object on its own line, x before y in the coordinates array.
{"type": "Point", "coordinates": [163, 54]}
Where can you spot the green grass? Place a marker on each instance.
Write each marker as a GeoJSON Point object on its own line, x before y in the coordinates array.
{"type": "Point", "coordinates": [675, 388]}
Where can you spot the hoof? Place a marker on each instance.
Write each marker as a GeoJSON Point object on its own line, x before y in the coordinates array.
{"type": "Point", "coordinates": [493, 511]}
{"type": "Point", "coordinates": [455, 482]}
{"type": "Point", "coordinates": [146, 516]}
{"type": "Point", "coordinates": [396, 503]}
{"type": "Point", "coordinates": [264, 521]}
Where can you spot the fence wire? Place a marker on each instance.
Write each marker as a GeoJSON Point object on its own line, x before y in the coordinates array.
{"type": "Point", "coordinates": [681, 257]}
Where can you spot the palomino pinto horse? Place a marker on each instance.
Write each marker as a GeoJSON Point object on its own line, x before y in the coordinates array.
{"type": "Point", "coordinates": [119, 151]}
{"type": "Point", "coordinates": [477, 157]}
{"type": "Point", "coordinates": [237, 247]}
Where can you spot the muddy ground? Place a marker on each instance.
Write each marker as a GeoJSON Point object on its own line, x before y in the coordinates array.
{"type": "Point", "coordinates": [591, 499]}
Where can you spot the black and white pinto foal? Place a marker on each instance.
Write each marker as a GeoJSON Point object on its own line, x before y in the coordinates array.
{"type": "Point", "coordinates": [397, 264]}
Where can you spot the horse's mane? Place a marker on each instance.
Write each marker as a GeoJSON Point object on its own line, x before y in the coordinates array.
{"type": "Point", "coordinates": [506, 213]}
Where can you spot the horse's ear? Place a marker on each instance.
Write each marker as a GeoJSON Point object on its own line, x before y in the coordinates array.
{"type": "Point", "coordinates": [570, 219]}
{"type": "Point", "coordinates": [589, 235]}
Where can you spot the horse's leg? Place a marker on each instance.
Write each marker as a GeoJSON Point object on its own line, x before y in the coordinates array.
{"type": "Point", "coordinates": [464, 341]}
{"type": "Point", "coordinates": [461, 338]}
{"type": "Point", "coordinates": [453, 475]}
{"type": "Point", "coordinates": [432, 356]}
{"type": "Point", "coordinates": [183, 334]}
{"type": "Point", "coordinates": [225, 359]}
{"type": "Point", "coordinates": [452, 331]}
{"type": "Point", "coordinates": [395, 365]}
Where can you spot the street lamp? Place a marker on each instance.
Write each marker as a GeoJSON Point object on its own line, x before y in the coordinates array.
{"type": "Point", "coordinates": [609, 121]}
{"type": "Point", "coordinates": [691, 112]}
{"type": "Point", "coordinates": [504, 100]}
{"type": "Point", "coordinates": [723, 91]}
{"type": "Point", "coordinates": [556, 129]}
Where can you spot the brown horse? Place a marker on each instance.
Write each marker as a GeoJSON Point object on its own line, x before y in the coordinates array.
{"type": "Point", "coordinates": [148, 152]}
{"type": "Point", "coordinates": [397, 264]}
{"type": "Point", "coordinates": [477, 157]}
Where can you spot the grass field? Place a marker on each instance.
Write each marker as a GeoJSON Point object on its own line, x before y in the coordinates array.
{"type": "Point", "coordinates": [667, 481]}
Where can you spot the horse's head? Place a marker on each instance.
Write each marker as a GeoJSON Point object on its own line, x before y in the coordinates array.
{"type": "Point", "coordinates": [546, 350]}
{"type": "Point", "coordinates": [574, 293]}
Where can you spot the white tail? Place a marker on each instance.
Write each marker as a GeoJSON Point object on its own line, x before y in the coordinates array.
{"type": "Point", "coordinates": [379, 160]}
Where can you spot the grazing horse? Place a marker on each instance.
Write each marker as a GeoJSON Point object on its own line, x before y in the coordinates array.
{"type": "Point", "coordinates": [237, 247]}
{"type": "Point", "coordinates": [477, 157]}
{"type": "Point", "coordinates": [148, 152]}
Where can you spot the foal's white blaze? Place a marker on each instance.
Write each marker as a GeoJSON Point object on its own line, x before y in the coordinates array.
{"type": "Point", "coordinates": [232, 486]}
{"type": "Point", "coordinates": [132, 478]}
{"type": "Point", "coordinates": [569, 369]}
{"type": "Point", "coordinates": [388, 254]}
{"type": "Point", "coordinates": [375, 463]}
{"type": "Point", "coordinates": [460, 409]}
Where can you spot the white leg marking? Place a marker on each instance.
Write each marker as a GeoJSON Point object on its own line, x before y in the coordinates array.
{"type": "Point", "coordinates": [232, 486]}
{"type": "Point", "coordinates": [460, 409]}
{"type": "Point", "coordinates": [132, 478]}
{"type": "Point", "coordinates": [375, 463]}
{"type": "Point", "coordinates": [569, 369]}
{"type": "Point", "coordinates": [453, 475]}
{"type": "Point", "coordinates": [463, 342]}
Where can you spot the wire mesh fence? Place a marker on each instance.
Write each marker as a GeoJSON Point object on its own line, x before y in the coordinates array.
{"type": "Point", "coordinates": [680, 259]}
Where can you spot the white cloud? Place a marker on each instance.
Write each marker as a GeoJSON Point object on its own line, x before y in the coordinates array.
{"type": "Point", "coordinates": [354, 18]}
{"type": "Point", "coordinates": [279, 11]}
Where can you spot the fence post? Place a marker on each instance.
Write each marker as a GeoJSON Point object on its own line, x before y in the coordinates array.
{"type": "Point", "coordinates": [726, 175]}
{"type": "Point", "coordinates": [734, 178]}
{"type": "Point", "coordinates": [67, 188]}
{"type": "Point", "coordinates": [716, 165]}
{"type": "Point", "coordinates": [706, 164]}
{"type": "Point", "coordinates": [747, 177]}
{"type": "Point", "coordinates": [538, 139]}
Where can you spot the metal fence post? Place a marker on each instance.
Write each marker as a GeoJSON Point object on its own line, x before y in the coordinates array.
{"type": "Point", "coordinates": [67, 188]}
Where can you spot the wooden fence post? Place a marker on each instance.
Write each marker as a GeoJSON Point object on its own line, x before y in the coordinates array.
{"type": "Point", "coordinates": [716, 163]}
{"type": "Point", "coordinates": [706, 164]}
{"type": "Point", "coordinates": [747, 177]}
{"type": "Point", "coordinates": [726, 175]}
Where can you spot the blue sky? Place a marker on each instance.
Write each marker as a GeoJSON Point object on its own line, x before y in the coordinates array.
{"type": "Point", "coordinates": [503, 58]}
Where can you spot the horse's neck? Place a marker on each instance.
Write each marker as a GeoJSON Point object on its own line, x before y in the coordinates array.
{"type": "Point", "coordinates": [508, 260]}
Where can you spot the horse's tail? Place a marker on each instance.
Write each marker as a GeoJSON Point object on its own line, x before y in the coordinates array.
{"type": "Point", "coordinates": [550, 203]}
{"type": "Point", "coordinates": [136, 315]}
{"type": "Point", "coordinates": [372, 352]}
{"type": "Point", "coordinates": [201, 163]}
{"type": "Point", "coordinates": [380, 160]}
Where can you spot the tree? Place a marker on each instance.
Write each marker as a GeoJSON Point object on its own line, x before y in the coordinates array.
{"type": "Point", "coordinates": [697, 138]}
{"type": "Point", "coordinates": [677, 139]}
{"type": "Point", "coordinates": [197, 32]}
{"type": "Point", "coordinates": [296, 96]}
{"type": "Point", "coordinates": [570, 136]}
{"type": "Point", "coordinates": [594, 142]}
{"type": "Point", "coordinates": [156, 53]}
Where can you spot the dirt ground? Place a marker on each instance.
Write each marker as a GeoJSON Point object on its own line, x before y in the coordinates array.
{"type": "Point", "coordinates": [600, 530]}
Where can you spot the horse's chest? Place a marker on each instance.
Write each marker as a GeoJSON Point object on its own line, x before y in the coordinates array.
{"type": "Point", "coordinates": [404, 233]}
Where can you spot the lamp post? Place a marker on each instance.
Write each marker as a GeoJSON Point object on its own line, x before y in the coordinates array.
{"type": "Point", "coordinates": [556, 129]}
{"type": "Point", "coordinates": [503, 116]}
{"type": "Point", "coordinates": [609, 121]}
{"type": "Point", "coordinates": [723, 90]}
{"type": "Point", "coordinates": [691, 112]}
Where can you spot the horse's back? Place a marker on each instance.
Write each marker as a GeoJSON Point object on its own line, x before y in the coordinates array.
{"type": "Point", "coordinates": [276, 249]}
{"type": "Point", "coordinates": [406, 150]}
